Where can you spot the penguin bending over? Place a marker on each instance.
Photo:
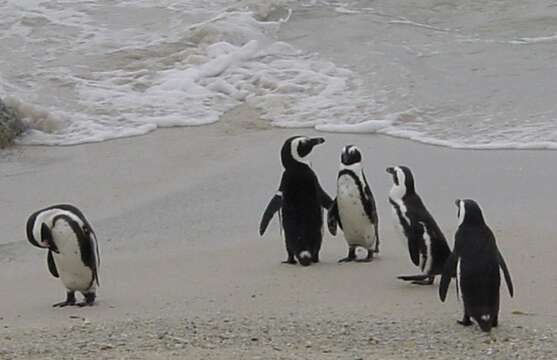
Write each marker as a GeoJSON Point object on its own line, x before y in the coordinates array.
{"type": "Point", "coordinates": [476, 260]}
{"type": "Point", "coordinates": [73, 254]}
{"type": "Point", "coordinates": [354, 207]}
{"type": "Point", "coordinates": [420, 233]}
{"type": "Point", "coordinates": [300, 199]}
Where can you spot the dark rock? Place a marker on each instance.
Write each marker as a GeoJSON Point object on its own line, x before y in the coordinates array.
{"type": "Point", "coordinates": [11, 125]}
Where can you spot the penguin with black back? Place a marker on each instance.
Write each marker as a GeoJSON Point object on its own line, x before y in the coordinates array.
{"type": "Point", "coordinates": [476, 261]}
{"type": "Point", "coordinates": [354, 207]}
{"type": "Point", "coordinates": [420, 233]}
{"type": "Point", "coordinates": [300, 200]}
{"type": "Point", "coordinates": [73, 253]}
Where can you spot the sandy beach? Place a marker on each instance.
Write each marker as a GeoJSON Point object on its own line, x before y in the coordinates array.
{"type": "Point", "coordinates": [184, 273]}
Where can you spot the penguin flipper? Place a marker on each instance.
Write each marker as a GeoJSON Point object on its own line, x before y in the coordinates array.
{"type": "Point", "coordinates": [326, 200]}
{"type": "Point", "coordinates": [506, 273]}
{"type": "Point", "coordinates": [51, 264]}
{"type": "Point", "coordinates": [448, 272]}
{"type": "Point", "coordinates": [371, 208]}
{"type": "Point", "coordinates": [333, 218]}
{"type": "Point", "coordinates": [274, 205]}
{"type": "Point", "coordinates": [414, 246]}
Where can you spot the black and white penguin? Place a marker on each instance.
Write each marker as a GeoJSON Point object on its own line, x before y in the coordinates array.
{"type": "Point", "coordinates": [73, 253]}
{"type": "Point", "coordinates": [476, 261]}
{"type": "Point", "coordinates": [420, 233]}
{"type": "Point", "coordinates": [354, 207]}
{"type": "Point", "coordinates": [300, 199]}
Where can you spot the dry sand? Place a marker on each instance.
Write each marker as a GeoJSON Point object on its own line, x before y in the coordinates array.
{"type": "Point", "coordinates": [185, 275]}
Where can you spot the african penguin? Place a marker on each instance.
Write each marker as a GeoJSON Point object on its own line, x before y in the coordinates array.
{"type": "Point", "coordinates": [420, 233]}
{"type": "Point", "coordinates": [354, 207]}
{"type": "Point", "coordinates": [73, 253]}
{"type": "Point", "coordinates": [300, 199]}
{"type": "Point", "coordinates": [476, 261]}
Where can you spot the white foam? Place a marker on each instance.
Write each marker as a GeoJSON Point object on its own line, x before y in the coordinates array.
{"type": "Point", "coordinates": [344, 10]}
{"type": "Point", "coordinates": [90, 72]}
{"type": "Point", "coordinates": [130, 82]}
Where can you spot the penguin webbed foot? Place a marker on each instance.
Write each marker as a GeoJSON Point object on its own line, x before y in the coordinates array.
{"type": "Point", "coordinates": [289, 261]}
{"type": "Point", "coordinates": [418, 279]}
{"type": "Point", "coordinates": [70, 300]}
{"type": "Point", "coordinates": [346, 259]}
{"type": "Point", "coordinates": [428, 281]}
{"type": "Point", "coordinates": [465, 321]}
{"type": "Point", "coordinates": [63, 304]}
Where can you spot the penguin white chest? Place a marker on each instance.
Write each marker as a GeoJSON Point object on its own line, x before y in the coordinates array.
{"type": "Point", "coordinates": [357, 227]}
{"type": "Point", "coordinates": [75, 275]}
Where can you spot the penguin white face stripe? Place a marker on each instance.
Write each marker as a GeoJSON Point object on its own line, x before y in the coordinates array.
{"type": "Point", "coordinates": [46, 218]}
{"type": "Point", "coordinates": [398, 191]}
{"type": "Point", "coordinates": [294, 150]}
{"type": "Point", "coordinates": [459, 289]}
{"type": "Point", "coordinates": [461, 212]}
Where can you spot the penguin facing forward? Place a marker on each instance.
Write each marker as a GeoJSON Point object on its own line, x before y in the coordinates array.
{"type": "Point", "coordinates": [354, 207]}
{"type": "Point", "coordinates": [301, 200]}
{"type": "Point", "coordinates": [476, 261]}
{"type": "Point", "coordinates": [420, 233]}
{"type": "Point", "coordinates": [73, 254]}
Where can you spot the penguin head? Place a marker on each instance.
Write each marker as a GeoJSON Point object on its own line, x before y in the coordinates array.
{"type": "Point", "coordinates": [469, 212]}
{"type": "Point", "coordinates": [296, 149]}
{"type": "Point", "coordinates": [403, 180]}
{"type": "Point", "coordinates": [66, 228]}
{"type": "Point", "coordinates": [47, 240]}
{"type": "Point", "coordinates": [350, 155]}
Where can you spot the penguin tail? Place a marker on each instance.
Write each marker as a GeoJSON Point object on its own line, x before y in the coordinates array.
{"type": "Point", "coordinates": [304, 258]}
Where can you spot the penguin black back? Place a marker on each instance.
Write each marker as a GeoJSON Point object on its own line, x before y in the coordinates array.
{"type": "Point", "coordinates": [476, 261]}
{"type": "Point", "coordinates": [300, 199]}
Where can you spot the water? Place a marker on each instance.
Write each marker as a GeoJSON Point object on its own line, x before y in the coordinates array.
{"type": "Point", "coordinates": [473, 75]}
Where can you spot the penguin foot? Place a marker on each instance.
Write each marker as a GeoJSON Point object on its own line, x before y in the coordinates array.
{"type": "Point", "coordinates": [417, 279]}
{"type": "Point", "coordinates": [465, 322]}
{"type": "Point", "coordinates": [423, 282]}
{"type": "Point", "coordinates": [64, 303]}
{"type": "Point", "coordinates": [289, 261]}
{"type": "Point", "coordinates": [70, 300]}
{"type": "Point", "coordinates": [346, 259]}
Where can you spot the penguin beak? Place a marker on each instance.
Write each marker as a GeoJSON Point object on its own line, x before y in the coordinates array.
{"type": "Point", "coordinates": [317, 141]}
{"type": "Point", "coordinates": [390, 170]}
{"type": "Point", "coordinates": [457, 202]}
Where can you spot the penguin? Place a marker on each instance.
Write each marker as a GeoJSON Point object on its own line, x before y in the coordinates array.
{"type": "Point", "coordinates": [354, 207]}
{"type": "Point", "coordinates": [73, 253]}
{"type": "Point", "coordinates": [476, 261]}
{"type": "Point", "coordinates": [300, 199]}
{"type": "Point", "coordinates": [420, 233]}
